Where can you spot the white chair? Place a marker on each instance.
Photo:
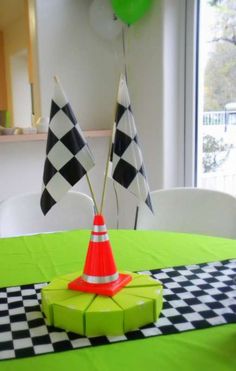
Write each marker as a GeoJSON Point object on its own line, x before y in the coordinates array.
{"type": "Point", "coordinates": [22, 214]}
{"type": "Point", "coordinates": [191, 210]}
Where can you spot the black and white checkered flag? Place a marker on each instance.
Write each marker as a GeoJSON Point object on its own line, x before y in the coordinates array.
{"type": "Point", "coordinates": [126, 159]}
{"type": "Point", "coordinates": [68, 157]}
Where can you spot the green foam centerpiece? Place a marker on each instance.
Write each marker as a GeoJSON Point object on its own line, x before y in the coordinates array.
{"type": "Point", "coordinates": [136, 305]}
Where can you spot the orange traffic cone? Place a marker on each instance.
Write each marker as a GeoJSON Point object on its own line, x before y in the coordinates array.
{"type": "Point", "coordinates": [100, 274]}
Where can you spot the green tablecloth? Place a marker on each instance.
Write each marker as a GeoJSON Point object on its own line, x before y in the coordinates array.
{"type": "Point", "coordinates": [41, 257]}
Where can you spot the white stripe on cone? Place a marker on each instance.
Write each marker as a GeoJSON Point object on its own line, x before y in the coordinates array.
{"type": "Point", "coordinates": [99, 237]}
{"type": "Point", "coordinates": [100, 279]}
{"type": "Point", "coordinates": [99, 228]}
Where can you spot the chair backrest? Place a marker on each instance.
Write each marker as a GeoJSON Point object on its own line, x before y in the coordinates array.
{"type": "Point", "coordinates": [22, 214]}
{"type": "Point", "coordinates": [191, 210]}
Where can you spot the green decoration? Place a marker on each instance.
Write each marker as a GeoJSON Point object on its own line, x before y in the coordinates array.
{"type": "Point", "coordinates": [130, 11]}
{"type": "Point", "coordinates": [136, 305]}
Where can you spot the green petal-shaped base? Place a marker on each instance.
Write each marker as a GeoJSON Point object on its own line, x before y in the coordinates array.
{"type": "Point", "coordinates": [136, 305]}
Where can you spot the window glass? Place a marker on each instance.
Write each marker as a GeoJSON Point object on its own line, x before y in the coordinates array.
{"type": "Point", "coordinates": [216, 155]}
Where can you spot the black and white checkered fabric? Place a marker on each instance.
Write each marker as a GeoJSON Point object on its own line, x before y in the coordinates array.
{"type": "Point", "coordinates": [68, 157]}
{"type": "Point", "coordinates": [195, 297]}
{"type": "Point", "coordinates": [126, 157]}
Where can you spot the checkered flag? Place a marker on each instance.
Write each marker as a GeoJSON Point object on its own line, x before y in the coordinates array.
{"type": "Point", "coordinates": [68, 157]}
{"type": "Point", "coordinates": [126, 158]}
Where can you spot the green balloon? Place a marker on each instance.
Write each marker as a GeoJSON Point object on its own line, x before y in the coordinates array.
{"type": "Point", "coordinates": [130, 11]}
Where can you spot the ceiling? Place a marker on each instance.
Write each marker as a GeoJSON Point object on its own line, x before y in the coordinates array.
{"type": "Point", "coordinates": [10, 10]}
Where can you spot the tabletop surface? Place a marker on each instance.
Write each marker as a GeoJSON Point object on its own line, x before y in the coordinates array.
{"type": "Point", "coordinates": [40, 258]}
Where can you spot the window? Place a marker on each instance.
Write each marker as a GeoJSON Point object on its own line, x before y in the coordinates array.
{"type": "Point", "coordinates": [215, 165]}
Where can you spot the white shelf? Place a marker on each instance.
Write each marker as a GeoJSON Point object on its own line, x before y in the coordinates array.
{"type": "Point", "coordinates": [41, 137]}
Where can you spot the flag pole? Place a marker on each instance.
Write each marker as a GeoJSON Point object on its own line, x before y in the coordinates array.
{"type": "Point", "coordinates": [106, 173]}
{"type": "Point", "coordinates": [136, 218]}
{"type": "Point", "coordinates": [110, 144]}
{"type": "Point", "coordinates": [87, 177]}
{"type": "Point", "coordinates": [92, 193]}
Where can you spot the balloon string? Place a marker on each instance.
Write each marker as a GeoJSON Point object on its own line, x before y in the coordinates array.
{"type": "Point", "coordinates": [116, 59]}
{"type": "Point", "coordinates": [124, 52]}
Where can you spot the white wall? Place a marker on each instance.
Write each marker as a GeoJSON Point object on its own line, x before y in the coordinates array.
{"type": "Point", "coordinates": [84, 62]}
{"type": "Point", "coordinates": [89, 69]}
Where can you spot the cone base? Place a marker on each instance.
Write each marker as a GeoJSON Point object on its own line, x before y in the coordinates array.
{"type": "Point", "coordinates": [108, 289]}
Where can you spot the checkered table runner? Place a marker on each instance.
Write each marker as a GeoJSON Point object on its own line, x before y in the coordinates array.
{"type": "Point", "coordinates": [195, 297]}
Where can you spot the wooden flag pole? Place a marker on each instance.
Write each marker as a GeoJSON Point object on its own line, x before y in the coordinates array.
{"type": "Point", "coordinates": [92, 193]}
{"type": "Point", "coordinates": [113, 131]}
{"type": "Point", "coordinates": [108, 157]}
{"type": "Point", "coordinates": [106, 172]}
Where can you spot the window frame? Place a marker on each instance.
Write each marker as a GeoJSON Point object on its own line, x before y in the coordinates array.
{"type": "Point", "coordinates": [191, 92]}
